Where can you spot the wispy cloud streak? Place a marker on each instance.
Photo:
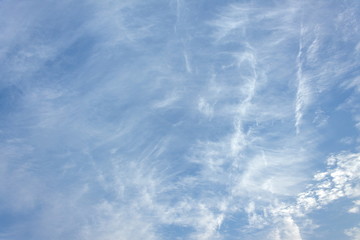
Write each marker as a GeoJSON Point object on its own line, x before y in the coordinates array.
{"type": "Point", "coordinates": [177, 120]}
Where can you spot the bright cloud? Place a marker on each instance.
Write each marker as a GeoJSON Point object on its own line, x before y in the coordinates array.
{"type": "Point", "coordinates": [179, 120]}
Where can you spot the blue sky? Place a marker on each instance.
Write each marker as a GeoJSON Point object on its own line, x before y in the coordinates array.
{"type": "Point", "coordinates": [179, 119]}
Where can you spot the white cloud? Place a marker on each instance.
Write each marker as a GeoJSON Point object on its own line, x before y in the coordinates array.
{"type": "Point", "coordinates": [286, 229]}
{"type": "Point", "coordinates": [146, 131]}
{"type": "Point", "coordinates": [341, 179]}
{"type": "Point", "coordinates": [187, 62]}
{"type": "Point", "coordinates": [353, 233]}
{"type": "Point", "coordinates": [205, 108]}
{"type": "Point", "coordinates": [169, 100]}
